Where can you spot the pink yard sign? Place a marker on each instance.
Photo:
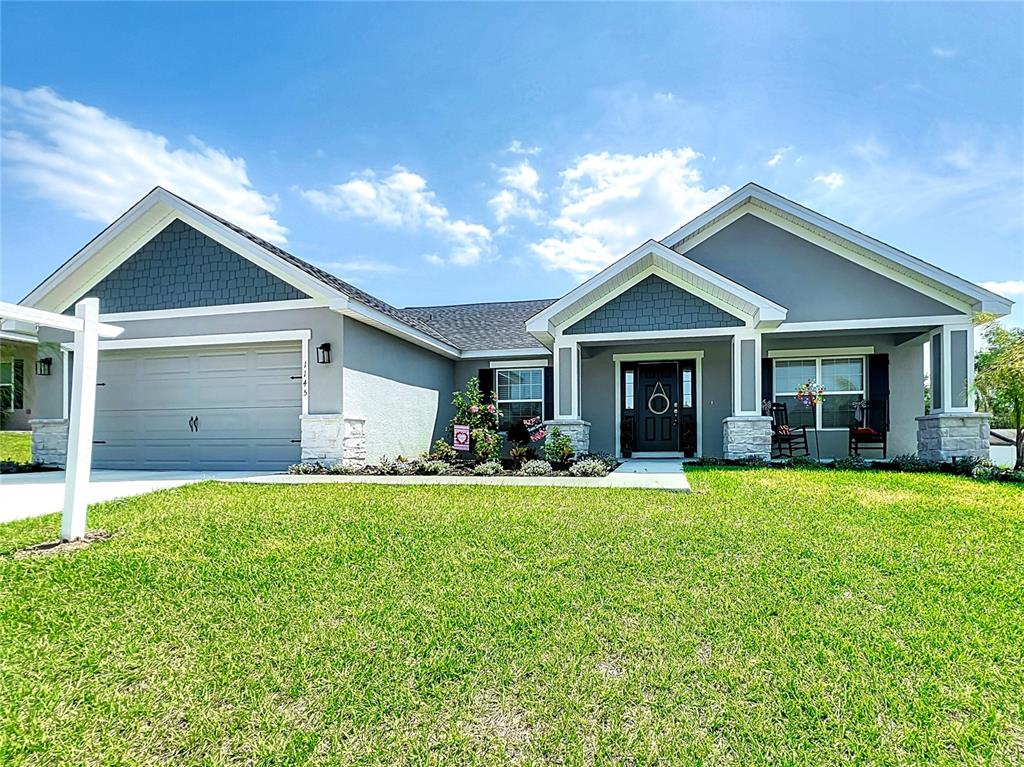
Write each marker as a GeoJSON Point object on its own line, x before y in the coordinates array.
{"type": "Point", "coordinates": [461, 437]}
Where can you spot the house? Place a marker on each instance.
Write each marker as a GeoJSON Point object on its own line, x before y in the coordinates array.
{"type": "Point", "coordinates": [18, 357]}
{"type": "Point", "coordinates": [236, 354]}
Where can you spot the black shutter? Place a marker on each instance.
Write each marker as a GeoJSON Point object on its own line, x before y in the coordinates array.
{"type": "Point", "coordinates": [486, 377]}
{"type": "Point", "coordinates": [549, 393]}
{"type": "Point", "coordinates": [878, 390]}
{"type": "Point", "coordinates": [767, 380]}
{"type": "Point", "coordinates": [19, 384]}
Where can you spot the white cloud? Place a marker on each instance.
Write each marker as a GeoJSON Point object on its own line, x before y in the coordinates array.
{"type": "Point", "coordinates": [518, 198]}
{"type": "Point", "coordinates": [402, 200]}
{"type": "Point", "coordinates": [776, 158]}
{"type": "Point", "coordinates": [944, 52]}
{"type": "Point", "coordinates": [1006, 288]}
{"type": "Point", "coordinates": [96, 166]}
{"type": "Point", "coordinates": [833, 180]}
{"type": "Point", "coordinates": [611, 203]}
{"type": "Point", "coordinates": [518, 147]}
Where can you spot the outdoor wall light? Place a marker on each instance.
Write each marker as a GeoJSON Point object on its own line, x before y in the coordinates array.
{"type": "Point", "coordinates": [323, 354]}
{"type": "Point", "coordinates": [43, 366]}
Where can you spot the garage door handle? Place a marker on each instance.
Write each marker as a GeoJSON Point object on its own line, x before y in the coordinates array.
{"type": "Point", "coordinates": [295, 378]}
{"type": "Point", "coordinates": [99, 442]}
{"type": "Point", "coordinates": [192, 425]}
{"type": "Point", "coordinates": [295, 441]}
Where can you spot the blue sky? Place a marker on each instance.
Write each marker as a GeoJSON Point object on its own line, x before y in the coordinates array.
{"type": "Point", "coordinates": [456, 153]}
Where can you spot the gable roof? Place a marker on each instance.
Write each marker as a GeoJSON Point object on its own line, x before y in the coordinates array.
{"type": "Point", "coordinates": [655, 258]}
{"type": "Point", "coordinates": [844, 241]}
{"type": "Point", "coordinates": [476, 327]}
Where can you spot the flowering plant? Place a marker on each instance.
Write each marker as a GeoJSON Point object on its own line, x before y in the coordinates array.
{"type": "Point", "coordinates": [481, 417]}
{"type": "Point", "coordinates": [810, 393]}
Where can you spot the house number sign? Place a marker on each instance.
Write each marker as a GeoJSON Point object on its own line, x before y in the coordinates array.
{"type": "Point", "coordinates": [460, 437]}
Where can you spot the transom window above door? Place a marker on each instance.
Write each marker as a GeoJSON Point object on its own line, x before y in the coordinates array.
{"type": "Point", "coordinates": [520, 394]}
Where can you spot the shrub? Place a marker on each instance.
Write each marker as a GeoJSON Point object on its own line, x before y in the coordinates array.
{"type": "Point", "coordinates": [520, 453]}
{"type": "Point", "coordinates": [406, 467]}
{"type": "Point", "coordinates": [558, 448]}
{"type": "Point", "coordinates": [385, 466]}
{"type": "Point", "coordinates": [487, 469]}
{"type": "Point", "coordinates": [610, 461]}
{"type": "Point", "coordinates": [536, 468]}
{"type": "Point", "coordinates": [313, 467]}
{"type": "Point", "coordinates": [851, 463]}
{"type": "Point", "coordinates": [481, 417]}
{"type": "Point", "coordinates": [442, 451]}
{"type": "Point", "coordinates": [908, 462]}
{"type": "Point", "coordinates": [589, 467]}
{"type": "Point", "coordinates": [431, 466]}
{"type": "Point", "coordinates": [803, 462]}
{"type": "Point", "coordinates": [753, 461]}
{"type": "Point", "coordinates": [967, 465]}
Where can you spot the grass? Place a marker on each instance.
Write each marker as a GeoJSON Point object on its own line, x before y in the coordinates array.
{"type": "Point", "coordinates": [16, 446]}
{"type": "Point", "coordinates": [771, 617]}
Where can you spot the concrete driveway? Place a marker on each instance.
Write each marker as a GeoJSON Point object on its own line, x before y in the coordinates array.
{"type": "Point", "coordinates": [38, 493]}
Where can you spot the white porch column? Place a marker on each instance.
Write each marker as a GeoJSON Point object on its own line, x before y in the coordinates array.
{"type": "Point", "coordinates": [952, 430]}
{"type": "Point", "coordinates": [567, 381]}
{"type": "Point", "coordinates": [746, 433]}
{"type": "Point", "coordinates": [83, 402]}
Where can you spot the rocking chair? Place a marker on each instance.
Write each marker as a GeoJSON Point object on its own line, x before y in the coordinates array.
{"type": "Point", "coordinates": [787, 441]}
{"type": "Point", "coordinates": [871, 427]}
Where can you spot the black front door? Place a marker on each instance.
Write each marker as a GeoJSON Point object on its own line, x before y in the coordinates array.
{"type": "Point", "coordinates": [657, 410]}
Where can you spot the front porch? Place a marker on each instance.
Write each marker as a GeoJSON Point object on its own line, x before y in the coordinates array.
{"type": "Point", "coordinates": [701, 393]}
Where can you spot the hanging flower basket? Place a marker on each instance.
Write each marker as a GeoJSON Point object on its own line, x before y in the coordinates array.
{"type": "Point", "coordinates": [810, 394]}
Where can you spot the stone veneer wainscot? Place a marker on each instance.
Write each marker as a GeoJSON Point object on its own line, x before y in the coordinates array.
{"type": "Point", "coordinates": [946, 436]}
{"type": "Point", "coordinates": [49, 440]}
{"type": "Point", "coordinates": [747, 436]}
{"type": "Point", "coordinates": [332, 438]}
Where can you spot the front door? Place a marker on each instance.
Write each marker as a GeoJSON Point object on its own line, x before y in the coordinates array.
{"type": "Point", "coordinates": [658, 408]}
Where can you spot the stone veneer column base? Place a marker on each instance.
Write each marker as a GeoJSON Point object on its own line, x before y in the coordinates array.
{"type": "Point", "coordinates": [945, 436]}
{"type": "Point", "coordinates": [332, 438]}
{"type": "Point", "coordinates": [576, 430]}
{"type": "Point", "coordinates": [49, 440]}
{"type": "Point", "coordinates": [747, 436]}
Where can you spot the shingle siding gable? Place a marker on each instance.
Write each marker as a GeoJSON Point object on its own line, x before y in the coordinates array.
{"type": "Point", "coordinates": [653, 304]}
{"type": "Point", "coordinates": [182, 267]}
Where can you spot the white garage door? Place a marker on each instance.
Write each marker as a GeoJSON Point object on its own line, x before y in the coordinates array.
{"type": "Point", "coordinates": [223, 407]}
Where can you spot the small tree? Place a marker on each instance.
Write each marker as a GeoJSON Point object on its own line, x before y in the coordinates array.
{"type": "Point", "coordinates": [999, 378]}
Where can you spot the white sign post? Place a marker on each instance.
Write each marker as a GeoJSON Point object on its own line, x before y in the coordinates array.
{"type": "Point", "coordinates": [88, 329]}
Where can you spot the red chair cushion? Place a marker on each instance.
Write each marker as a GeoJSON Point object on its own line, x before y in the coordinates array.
{"type": "Point", "coordinates": [783, 430]}
{"type": "Point", "coordinates": [865, 431]}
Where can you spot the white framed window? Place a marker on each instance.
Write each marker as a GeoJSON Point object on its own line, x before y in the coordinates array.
{"type": "Point", "coordinates": [12, 377]}
{"type": "Point", "coordinates": [520, 394]}
{"type": "Point", "coordinates": [844, 381]}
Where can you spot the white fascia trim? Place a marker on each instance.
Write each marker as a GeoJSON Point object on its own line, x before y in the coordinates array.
{"type": "Point", "coordinates": [203, 311]}
{"type": "Point", "coordinates": [217, 339]}
{"type": "Point", "coordinates": [872, 324]}
{"type": "Point", "coordinates": [768, 310]}
{"type": "Point", "coordinates": [381, 321]}
{"type": "Point", "coordinates": [651, 335]}
{"type": "Point", "coordinates": [513, 363]}
{"type": "Point", "coordinates": [986, 300]}
{"type": "Point", "coordinates": [18, 338]}
{"type": "Point", "coordinates": [657, 356]}
{"type": "Point", "coordinates": [484, 354]}
{"type": "Point", "coordinates": [839, 351]}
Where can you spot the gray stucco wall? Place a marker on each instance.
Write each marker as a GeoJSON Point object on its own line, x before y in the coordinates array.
{"type": "Point", "coordinates": [182, 267]}
{"type": "Point", "coordinates": [653, 304]}
{"type": "Point", "coordinates": [813, 283]}
{"type": "Point", "coordinates": [403, 391]}
{"type": "Point", "coordinates": [325, 381]}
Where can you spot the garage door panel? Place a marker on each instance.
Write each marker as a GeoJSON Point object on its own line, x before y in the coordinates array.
{"type": "Point", "coordinates": [275, 423]}
{"type": "Point", "coordinates": [247, 399]}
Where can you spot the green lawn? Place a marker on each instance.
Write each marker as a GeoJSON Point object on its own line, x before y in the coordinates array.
{"type": "Point", "coordinates": [16, 446]}
{"type": "Point", "coordinates": [771, 617]}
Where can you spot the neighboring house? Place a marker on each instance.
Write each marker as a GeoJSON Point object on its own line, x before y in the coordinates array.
{"type": "Point", "coordinates": [237, 354]}
{"type": "Point", "coordinates": [18, 351]}
{"type": "Point", "coordinates": [1003, 447]}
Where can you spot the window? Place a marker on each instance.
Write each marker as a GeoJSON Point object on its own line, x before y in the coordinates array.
{"type": "Point", "coordinates": [520, 395]}
{"type": "Point", "coordinates": [12, 385]}
{"type": "Point", "coordinates": [630, 389]}
{"type": "Point", "coordinates": [843, 379]}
